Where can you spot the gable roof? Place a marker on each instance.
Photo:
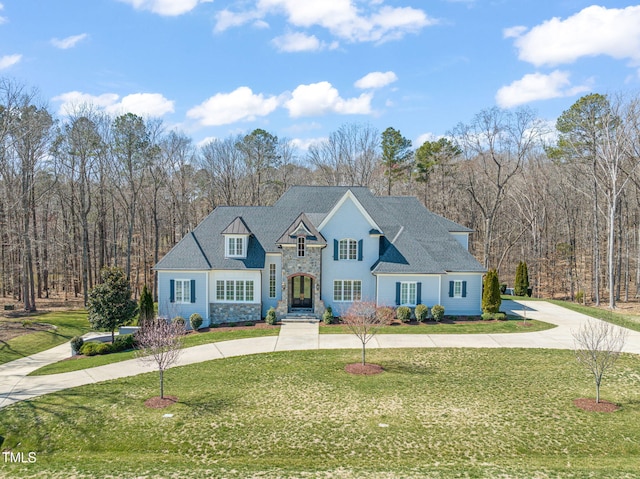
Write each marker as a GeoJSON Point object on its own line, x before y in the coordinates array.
{"type": "Point", "coordinates": [301, 226]}
{"type": "Point", "coordinates": [414, 239]}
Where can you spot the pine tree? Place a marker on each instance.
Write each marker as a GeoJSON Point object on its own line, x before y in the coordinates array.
{"type": "Point", "coordinates": [491, 293]}
{"type": "Point", "coordinates": [525, 279]}
{"type": "Point", "coordinates": [521, 286]}
{"type": "Point", "coordinates": [146, 308]}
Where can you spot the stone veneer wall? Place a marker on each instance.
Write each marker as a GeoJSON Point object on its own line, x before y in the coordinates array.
{"type": "Point", "coordinates": [309, 265]}
{"type": "Point", "coordinates": [234, 312]}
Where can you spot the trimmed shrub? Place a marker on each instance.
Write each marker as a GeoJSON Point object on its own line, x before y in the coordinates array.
{"type": "Point", "coordinates": [196, 321]}
{"type": "Point", "coordinates": [103, 348]}
{"type": "Point", "coordinates": [437, 312]}
{"type": "Point", "coordinates": [271, 317]}
{"type": "Point", "coordinates": [503, 288]}
{"type": "Point", "coordinates": [386, 314]}
{"type": "Point", "coordinates": [422, 312]}
{"type": "Point", "coordinates": [179, 320]}
{"type": "Point", "coordinates": [487, 316]}
{"type": "Point", "coordinates": [500, 316]}
{"type": "Point", "coordinates": [88, 349]}
{"type": "Point", "coordinates": [123, 342]}
{"type": "Point", "coordinates": [403, 313]}
{"type": "Point", "coordinates": [249, 323]}
{"type": "Point", "coordinates": [76, 343]}
{"type": "Point", "coordinates": [327, 316]}
{"type": "Point", "coordinates": [521, 286]}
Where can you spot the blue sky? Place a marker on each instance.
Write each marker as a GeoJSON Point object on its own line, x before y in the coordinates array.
{"type": "Point", "coordinates": [302, 68]}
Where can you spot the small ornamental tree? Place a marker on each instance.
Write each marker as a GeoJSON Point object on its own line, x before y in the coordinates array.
{"type": "Point", "coordinates": [598, 345]}
{"type": "Point", "coordinates": [110, 304]}
{"type": "Point", "coordinates": [160, 343]}
{"type": "Point", "coordinates": [491, 292]}
{"type": "Point", "coordinates": [363, 319]}
{"type": "Point", "coordinates": [145, 306]}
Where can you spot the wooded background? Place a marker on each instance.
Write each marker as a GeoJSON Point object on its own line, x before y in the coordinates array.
{"type": "Point", "coordinates": [88, 190]}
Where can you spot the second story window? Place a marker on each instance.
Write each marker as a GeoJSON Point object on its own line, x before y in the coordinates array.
{"type": "Point", "coordinates": [301, 246]}
{"type": "Point", "coordinates": [235, 247]}
{"type": "Point", "coordinates": [348, 249]}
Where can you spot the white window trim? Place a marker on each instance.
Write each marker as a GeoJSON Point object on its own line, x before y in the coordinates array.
{"type": "Point", "coordinates": [273, 280]}
{"type": "Point", "coordinates": [244, 242]}
{"type": "Point", "coordinates": [348, 249]}
{"type": "Point", "coordinates": [175, 291]}
{"type": "Point", "coordinates": [301, 241]}
{"type": "Point", "coordinates": [235, 290]}
{"type": "Point", "coordinates": [408, 284]}
{"type": "Point", "coordinates": [342, 281]}
{"type": "Point", "coordinates": [457, 283]}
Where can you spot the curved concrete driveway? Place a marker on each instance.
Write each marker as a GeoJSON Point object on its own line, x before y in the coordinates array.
{"type": "Point", "coordinates": [15, 385]}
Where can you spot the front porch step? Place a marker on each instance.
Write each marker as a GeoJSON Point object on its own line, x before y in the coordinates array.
{"type": "Point", "coordinates": [299, 318]}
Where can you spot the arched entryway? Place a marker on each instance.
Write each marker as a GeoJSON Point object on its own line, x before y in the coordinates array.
{"type": "Point", "coordinates": [301, 293]}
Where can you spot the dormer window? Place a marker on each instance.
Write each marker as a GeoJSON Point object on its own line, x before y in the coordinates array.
{"type": "Point", "coordinates": [235, 246]}
{"type": "Point", "coordinates": [301, 246]}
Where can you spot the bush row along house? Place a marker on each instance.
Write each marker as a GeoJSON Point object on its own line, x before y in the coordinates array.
{"type": "Point", "coordinates": [318, 247]}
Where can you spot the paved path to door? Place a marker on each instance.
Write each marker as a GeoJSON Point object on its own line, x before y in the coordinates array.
{"type": "Point", "coordinates": [15, 385]}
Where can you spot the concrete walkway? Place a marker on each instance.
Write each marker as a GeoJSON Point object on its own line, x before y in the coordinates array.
{"type": "Point", "coordinates": [15, 385]}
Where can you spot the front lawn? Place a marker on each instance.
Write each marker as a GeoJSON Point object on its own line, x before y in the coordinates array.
{"type": "Point", "coordinates": [433, 413]}
{"type": "Point", "coordinates": [67, 324]}
{"type": "Point", "coordinates": [193, 339]}
{"type": "Point", "coordinates": [511, 325]}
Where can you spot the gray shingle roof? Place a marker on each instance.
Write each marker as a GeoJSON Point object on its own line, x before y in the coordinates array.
{"type": "Point", "coordinates": [312, 235]}
{"type": "Point", "coordinates": [415, 240]}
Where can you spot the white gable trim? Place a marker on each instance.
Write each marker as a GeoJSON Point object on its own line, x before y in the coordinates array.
{"type": "Point", "coordinates": [345, 197]}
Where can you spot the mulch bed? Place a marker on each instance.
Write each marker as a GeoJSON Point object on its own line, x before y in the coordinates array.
{"type": "Point", "coordinates": [159, 403]}
{"type": "Point", "coordinates": [13, 329]}
{"type": "Point", "coordinates": [366, 369]}
{"type": "Point", "coordinates": [232, 327]}
{"type": "Point", "coordinates": [590, 405]}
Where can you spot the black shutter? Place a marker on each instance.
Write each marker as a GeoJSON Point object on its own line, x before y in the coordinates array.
{"type": "Point", "coordinates": [360, 250]}
{"type": "Point", "coordinates": [335, 250]}
{"type": "Point", "coordinates": [172, 291]}
{"type": "Point", "coordinates": [397, 293]}
{"type": "Point", "coordinates": [464, 289]}
{"type": "Point", "coordinates": [419, 293]}
{"type": "Point", "coordinates": [193, 290]}
{"type": "Point", "coordinates": [451, 289]}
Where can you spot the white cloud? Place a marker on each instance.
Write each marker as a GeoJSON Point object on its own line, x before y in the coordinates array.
{"type": "Point", "coordinates": [342, 18]}
{"type": "Point", "coordinates": [426, 137]}
{"type": "Point", "coordinates": [300, 42]}
{"type": "Point", "coordinates": [144, 104]}
{"type": "Point", "coordinates": [321, 98]}
{"type": "Point", "coordinates": [68, 42]}
{"type": "Point", "coordinates": [226, 19]}
{"type": "Point", "coordinates": [537, 86]}
{"type": "Point", "coordinates": [304, 143]}
{"type": "Point", "coordinates": [9, 60]}
{"type": "Point", "coordinates": [239, 105]}
{"type": "Point", "coordinates": [376, 80]}
{"type": "Point", "coordinates": [513, 32]}
{"type": "Point", "coordinates": [593, 31]}
{"type": "Point", "coordinates": [169, 8]}
{"type": "Point", "coordinates": [2, 19]}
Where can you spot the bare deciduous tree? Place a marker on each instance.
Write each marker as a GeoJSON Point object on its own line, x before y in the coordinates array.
{"type": "Point", "coordinates": [364, 319]}
{"type": "Point", "coordinates": [598, 345]}
{"type": "Point", "coordinates": [160, 344]}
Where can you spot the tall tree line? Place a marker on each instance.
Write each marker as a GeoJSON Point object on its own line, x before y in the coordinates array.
{"type": "Point", "coordinates": [88, 190]}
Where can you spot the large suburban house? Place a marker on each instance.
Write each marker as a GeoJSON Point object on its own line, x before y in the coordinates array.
{"type": "Point", "coordinates": [318, 247]}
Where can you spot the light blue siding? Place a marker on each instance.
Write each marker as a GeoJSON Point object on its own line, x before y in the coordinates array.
{"type": "Point", "coordinates": [471, 304]}
{"type": "Point", "coordinates": [430, 288]}
{"type": "Point", "coordinates": [348, 222]}
{"type": "Point", "coordinates": [170, 310]}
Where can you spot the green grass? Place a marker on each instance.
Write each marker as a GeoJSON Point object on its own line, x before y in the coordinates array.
{"type": "Point", "coordinates": [190, 340]}
{"type": "Point", "coordinates": [625, 320]}
{"type": "Point", "coordinates": [472, 413]}
{"type": "Point", "coordinates": [67, 325]}
{"type": "Point", "coordinates": [511, 325]}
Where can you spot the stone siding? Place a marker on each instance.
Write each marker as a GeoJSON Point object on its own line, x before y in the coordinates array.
{"type": "Point", "coordinates": [308, 265]}
{"type": "Point", "coordinates": [234, 312]}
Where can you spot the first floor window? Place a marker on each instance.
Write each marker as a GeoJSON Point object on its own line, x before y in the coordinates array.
{"type": "Point", "coordinates": [457, 289]}
{"type": "Point", "coordinates": [272, 280]}
{"type": "Point", "coordinates": [234, 291]}
{"type": "Point", "coordinates": [408, 294]}
{"type": "Point", "coordinates": [347, 290]}
{"type": "Point", "coordinates": [182, 290]}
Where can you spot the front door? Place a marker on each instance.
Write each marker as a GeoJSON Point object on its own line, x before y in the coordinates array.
{"type": "Point", "coordinates": [301, 292]}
